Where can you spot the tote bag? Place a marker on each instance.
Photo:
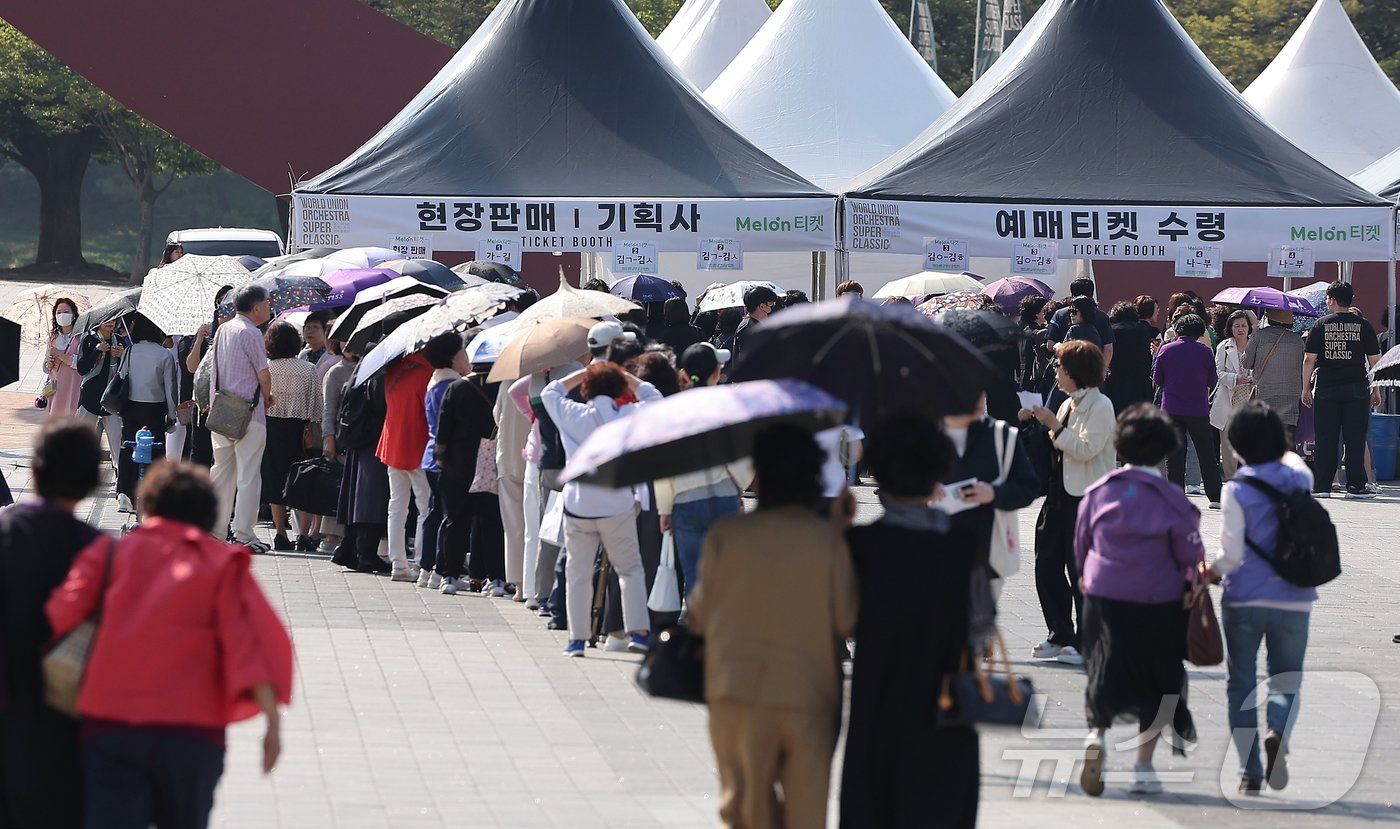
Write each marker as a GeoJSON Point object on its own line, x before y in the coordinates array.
{"type": "Point", "coordinates": [65, 664]}
{"type": "Point", "coordinates": [666, 589]}
{"type": "Point", "coordinates": [1005, 555]}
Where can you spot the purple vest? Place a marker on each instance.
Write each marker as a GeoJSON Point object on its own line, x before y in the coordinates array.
{"type": "Point", "coordinates": [1255, 579]}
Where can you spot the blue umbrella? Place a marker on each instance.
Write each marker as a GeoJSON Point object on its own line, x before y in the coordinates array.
{"type": "Point", "coordinates": [697, 429]}
{"type": "Point", "coordinates": [643, 287]}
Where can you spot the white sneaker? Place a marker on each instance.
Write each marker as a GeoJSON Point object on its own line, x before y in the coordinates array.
{"type": "Point", "coordinates": [326, 548]}
{"type": "Point", "coordinates": [1069, 656]}
{"type": "Point", "coordinates": [450, 586]}
{"type": "Point", "coordinates": [616, 644]}
{"type": "Point", "coordinates": [1192, 489]}
{"type": "Point", "coordinates": [402, 574]}
{"type": "Point", "coordinates": [434, 581]}
{"type": "Point", "coordinates": [498, 589]}
{"type": "Point", "coordinates": [124, 504]}
{"type": "Point", "coordinates": [1046, 650]}
{"type": "Point", "coordinates": [532, 604]}
{"type": "Point", "coordinates": [424, 577]}
{"type": "Point", "coordinates": [1144, 780]}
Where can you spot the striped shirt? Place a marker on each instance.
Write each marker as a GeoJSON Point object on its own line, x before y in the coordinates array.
{"type": "Point", "coordinates": [239, 354]}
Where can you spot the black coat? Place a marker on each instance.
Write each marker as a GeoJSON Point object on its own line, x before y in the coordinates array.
{"type": "Point", "coordinates": [1130, 374]}
{"type": "Point", "coordinates": [901, 769]}
{"type": "Point", "coordinates": [466, 418]}
{"type": "Point", "coordinates": [90, 395]}
{"type": "Point", "coordinates": [39, 750]}
{"type": "Point", "coordinates": [979, 460]}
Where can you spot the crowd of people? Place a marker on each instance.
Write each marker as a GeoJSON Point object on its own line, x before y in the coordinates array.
{"type": "Point", "coordinates": [451, 482]}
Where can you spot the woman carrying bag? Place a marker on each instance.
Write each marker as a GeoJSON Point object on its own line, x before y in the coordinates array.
{"type": "Point", "coordinates": [61, 359]}
{"type": "Point", "coordinates": [151, 388]}
{"type": "Point", "coordinates": [1234, 384]}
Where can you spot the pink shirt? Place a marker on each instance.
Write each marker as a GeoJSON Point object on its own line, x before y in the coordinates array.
{"type": "Point", "coordinates": [239, 354]}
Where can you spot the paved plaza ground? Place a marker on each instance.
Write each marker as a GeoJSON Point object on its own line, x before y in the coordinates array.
{"type": "Point", "coordinates": [414, 709]}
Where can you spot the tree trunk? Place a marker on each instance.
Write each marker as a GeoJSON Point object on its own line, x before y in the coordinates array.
{"type": "Point", "coordinates": [141, 263]}
{"type": "Point", "coordinates": [59, 169]}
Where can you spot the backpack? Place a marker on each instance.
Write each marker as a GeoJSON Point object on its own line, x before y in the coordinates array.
{"type": "Point", "coordinates": [356, 425]}
{"type": "Point", "coordinates": [1306, 553]}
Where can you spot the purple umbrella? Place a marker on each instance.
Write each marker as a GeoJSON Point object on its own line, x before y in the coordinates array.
{"type": "Point", "coordinates": [697, 429]}
{"type": "Point", "coordinates": [1009, 292]}
{"type": "Point", "coordinates": [644, 287]}
{"type": "Point", "coordinates": [1268, 299]}
{"type": "Point", "coordinates": [345, 284]}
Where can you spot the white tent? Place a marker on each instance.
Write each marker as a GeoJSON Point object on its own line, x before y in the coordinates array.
{"type": "Point", "coordinates": [1326, 93]}
{"type": "Point", "coordinates": [791, 92]}
{"type": "Point", "coordinates": [705, 35]}
{"type": "Point", "coordinates": [1382, 177]}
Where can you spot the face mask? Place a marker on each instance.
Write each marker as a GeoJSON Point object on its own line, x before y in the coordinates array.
{"type": "Point", "coordinates": [65, 318]}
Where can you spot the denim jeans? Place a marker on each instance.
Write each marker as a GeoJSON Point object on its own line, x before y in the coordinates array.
{"type": "Point", "coordinates": [690, 521]}
{"type": "Point", "coordinates": [1284, 634]}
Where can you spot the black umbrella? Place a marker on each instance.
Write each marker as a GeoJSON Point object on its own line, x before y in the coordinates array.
{"type": "Point", "coordinates": [433, 273]}
{"type": "Point", "coordinates": [985, 329]}
{"type": "Point", "coordinates": [491, 272]}
{"type": "Point", "coordinates": [9, 351]}
{"type": "Point", "coordinates": [115, 305]}
{"type": "Point", "coordinates": [880, 359]}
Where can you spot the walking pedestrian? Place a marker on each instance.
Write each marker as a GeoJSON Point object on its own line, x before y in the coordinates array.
{"type": "Point", "coordinates": [902, 766]}
{"type": "Point", "coordinates": [240, 368]}
{"type": "Point", "coordinates": [1081, 436]}
{"type": "Point", "coordinates": [777, 590]}
{"type": "Point", "coordinates": [188, 644]}
{"type": "Point", "coordinates": [152, 385]}
{"type": "Point", "coordinates": [294, 383]}
{"type": "Point", "coordinates": [1273, 354]}
{"type": "Point", "coordinates": [61, 359]}
{"type": "Point", "coordinates": [39, 754]}
{"type": "Point", "coordinates": [1341, 348]}
{"type": "Point", "coordinates": [1259, 606]}
{"type": "Point", "coordinates": [98, 357]}
{"type": "Point", "coordinates": [1185, 372]}
{"type": "Point", "coordinates": [1236, 383]}
{"type": "Point", "coordinates": [1137, 542]}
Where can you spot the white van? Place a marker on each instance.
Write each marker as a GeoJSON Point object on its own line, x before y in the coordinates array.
{"type": "Point", "coordinates": [228, 241]}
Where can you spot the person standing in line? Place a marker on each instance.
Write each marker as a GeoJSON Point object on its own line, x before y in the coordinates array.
{"type": "Point", "coordinates": [902, 765]}
{"type": "Point", "coordinates": [332, 391]}
{"type": "Point", "coordinates": [240, 368]}
{"type": "Point", "coordinates": [1236, 383]}
{"type": "Point", "coordinates": [1341, 348]}
{"type": "Point", "coordinates": [1274, 352]}
{"type": "Point", "coordinates": [449, 361]}
{"type": "Point", "coordinates": [1081, 437]}
{"type": "Point", "coordinates": [191, 353]}
{"type": "Point", "coordinates": [595, 514]}
{"type": "Point", "coordinates": [1130, 374]}
{"type": "Point", "coordinates": [1035, 360]}
{"type": "Point", "coordinates": [152, 384]}
{"type": "Point", "coordinates": [772, 679]}
{"type": "Point", "coordinates": [1057, 330]}
{"type": "Point", "coordinates": [363, 506]}
{"type": "Point", "coordinates": [679, 334]}
{"type": "Point", "coordinates": [98, 357]}
{"type": "Point", "coordinates": [401, 447]}
{"type": "Point", "coordinates": [850, 286]}
{"type": "Point", "coordinates": [759, 303]}
{"type": "Point", "coordinates": [1259, 606]}
{"type": "Point", "coordinates": [512, 433]}
{"type": "Point", "coordinates": [298, 403]}
{"type": "Point", "coordinates": [188, 645]}
{"type": "Point", "coordinates": [61, 359]}
{"type": "Point", "coordinates": [39, 754]}
{"type": "Point", "coordinates": [1137, 541]}
{"type": "Point", "coordinates": [1185, 372]}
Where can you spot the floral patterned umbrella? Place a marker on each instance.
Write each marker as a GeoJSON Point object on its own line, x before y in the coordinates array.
{"type": "Point", "coordinates": [697, 429]}
{"type": "Point", "coordinates": [32, 308]}
{"type": "Point", "coordinates": [382, 319]}
{"type": "Point", "coordinates": [946, 302]}
{"type": "Point", "coordinates": [464, 309]}
{"type": "Point", "coordinates": [286, 292]}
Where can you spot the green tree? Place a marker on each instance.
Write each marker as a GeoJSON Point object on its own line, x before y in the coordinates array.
{"type": "Point", "coordinates": [44, 130]}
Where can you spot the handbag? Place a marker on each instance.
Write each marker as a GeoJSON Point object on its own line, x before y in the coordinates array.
{"type": "Point", "coordinates": [65, 664]}
{"type": "Point", "coordinates": [229, 413]}
{"type": "Point", "coordinates": [49, 390]}
{"type": "Point", "coordinates": [974, 696]}
{"type": "Point", "coordinates": [485, 478]}
{"type": "Point", "coordinates": [118, 391]}
{"type": "Point", "coordinates": [1005, 555]}
{"type": "Point", "coordinates": [666, 589]}
{"type": "Point", "coordinates": [313, 485]}
{"type": "Point", "coordinates": [674, 668]}
{"type": "Point", "coordinates": [1204, 646]}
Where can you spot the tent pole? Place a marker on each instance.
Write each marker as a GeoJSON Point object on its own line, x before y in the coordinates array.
{"type": "Point", "coordinates": [821, 285]}
{"type": "Point", "coordinates": [816, 279]}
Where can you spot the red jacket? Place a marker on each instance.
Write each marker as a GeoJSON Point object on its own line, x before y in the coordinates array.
{"type": "Point", "coordinates": [405, 434]}
{"type": "Point", "coordinates": [185, 632]}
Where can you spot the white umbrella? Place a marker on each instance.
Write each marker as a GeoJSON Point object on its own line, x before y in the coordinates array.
{"type": "Point", "coordinates": [488, 344]}
{"type": "Point", "coordinates": [364, 257]}
{"type": "Point", "coordinates": [178, 298]}
{"type": "Point", "coordinates": [462, 310]}
{"type": "Point", "coordinates": [569, 301]}
{"type": "Point", "coordinates": [922, 284]}
{"type": "Point", "coordinates": [732, 295]}
{"type": "Point", "coordinates": [371, 298]}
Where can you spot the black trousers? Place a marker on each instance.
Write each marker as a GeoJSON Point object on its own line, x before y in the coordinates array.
{"type": "Point", "coordinates": [136, 415]}
{"type": "Point", "coordinates": [1346, 421]}
{"type": "Point", "coordinates": [471, 523]}
{"type": "Point", "coordinates": [432, 525]}
{"type": "Point", "coordinates": [133, 779]}
{"type": "Point", "coordinates": [1056, 574]}
{"type": "Point", "coordinates": [39, 761]}
{"type": "Point", "coordinates": [1198, 428]}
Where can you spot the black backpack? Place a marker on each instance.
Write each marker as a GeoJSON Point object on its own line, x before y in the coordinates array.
{"type": "Point", "coordinates": [1306, 553]}
{"type": "Point", "coordinates": [358, 423]}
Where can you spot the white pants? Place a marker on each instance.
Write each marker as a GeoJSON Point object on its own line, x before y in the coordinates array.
{"type": "Point", "coordinates": [511, 495]}
{"type": "Point", "coordinates": [111, 424]}
{"type": "Point", "coordinates": [237, 475]}
{"type": "Point", "coordinates": [532, 513]}
{"type": "Point", "coordinates": [618, 534]}
{"type": "Point", "coordinates": [405, 484]}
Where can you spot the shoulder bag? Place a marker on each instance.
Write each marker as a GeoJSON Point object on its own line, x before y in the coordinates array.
{"type": "Point", "coordinates": [66, 662]}
{"type": "Point", "coordinates": [118, 391]}
{"type": "Point", "coordinates": [973, 696]}
{"type": "Point", "coordinates": [1204, 647]}
{"type": "Point", "coordinates": [485, 478]}
{"type": "Point", "coordinates": [674, 668]}
{"type": "Point", "coordinates": [1005, 555]}
{"type": "Point", "coordinates": [229, 414]}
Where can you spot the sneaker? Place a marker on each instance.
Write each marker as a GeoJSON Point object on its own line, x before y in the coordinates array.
{"type": "Point", "coordinates": [1091, 775]}
{"type": "Point", "coordinates": [1144, 780]}
{"type": "Point", "coordinates": [1069, 656]}
{"type": "Point", "coordinates": [496, 589]}
{"type": "Point", "coordinates": [1359, 494]}
{"type": "Point", "coordinates": [1275, 766]}
{"type": "Point", "coordinates": [1251, 786]}
{"type": "Point", "coordinates": [1215, 505]}
{"type": "Point", "coordinates": [414, 569]}
{"type": "Point", "coordinates": [1322, 494]}
{"type": "Point", "coordinates": [402, 574]}
{"type": "Point", "coordinates": [1192, 489]}
{"type": "Point", "coordinates": [1374, 489]}
{"type": "Point", "coordinates": [450, 586]}
{"type": "Point", "coordinates": [124, 504]}
{"type": "Point", "coordinates": [424, 576]}
{"type": "Point", "coordinates": [574, 648]}
{"type": "Point", "coordinates": [532, 604]}
{"type": "Point", "coordinates": [256, 547]}
{"type": "Point", "coordinates": [326, 548]}
{"type": "Point", "coordinates": [616, 644]}
{"type": "Point", "coordinates": [434, 581]}
{"type": "Point", "coordinates": [641, 643]}
{"type": "Point", "coordinates": [1045, 650]}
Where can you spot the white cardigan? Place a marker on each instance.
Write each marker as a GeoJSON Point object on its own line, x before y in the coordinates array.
{"type": "Point", "coordinates": [1228, 371]}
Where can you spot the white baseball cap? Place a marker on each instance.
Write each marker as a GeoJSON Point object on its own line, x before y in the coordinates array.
{"type": "Point", "coordinates": [602, 334]}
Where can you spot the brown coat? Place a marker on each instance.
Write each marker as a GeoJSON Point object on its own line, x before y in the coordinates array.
{"type": "Point", "coordinates": [777, 590]}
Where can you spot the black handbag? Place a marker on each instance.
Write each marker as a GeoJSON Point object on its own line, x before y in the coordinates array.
{"type": "Point", "coordinates": [975, 697]}
{"type": "Point", "coordinates": [313, 486]}
{"type": "Point", "coordinates": [118, 391]}
{"type": "Point", "coordinates": [675, 666]}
